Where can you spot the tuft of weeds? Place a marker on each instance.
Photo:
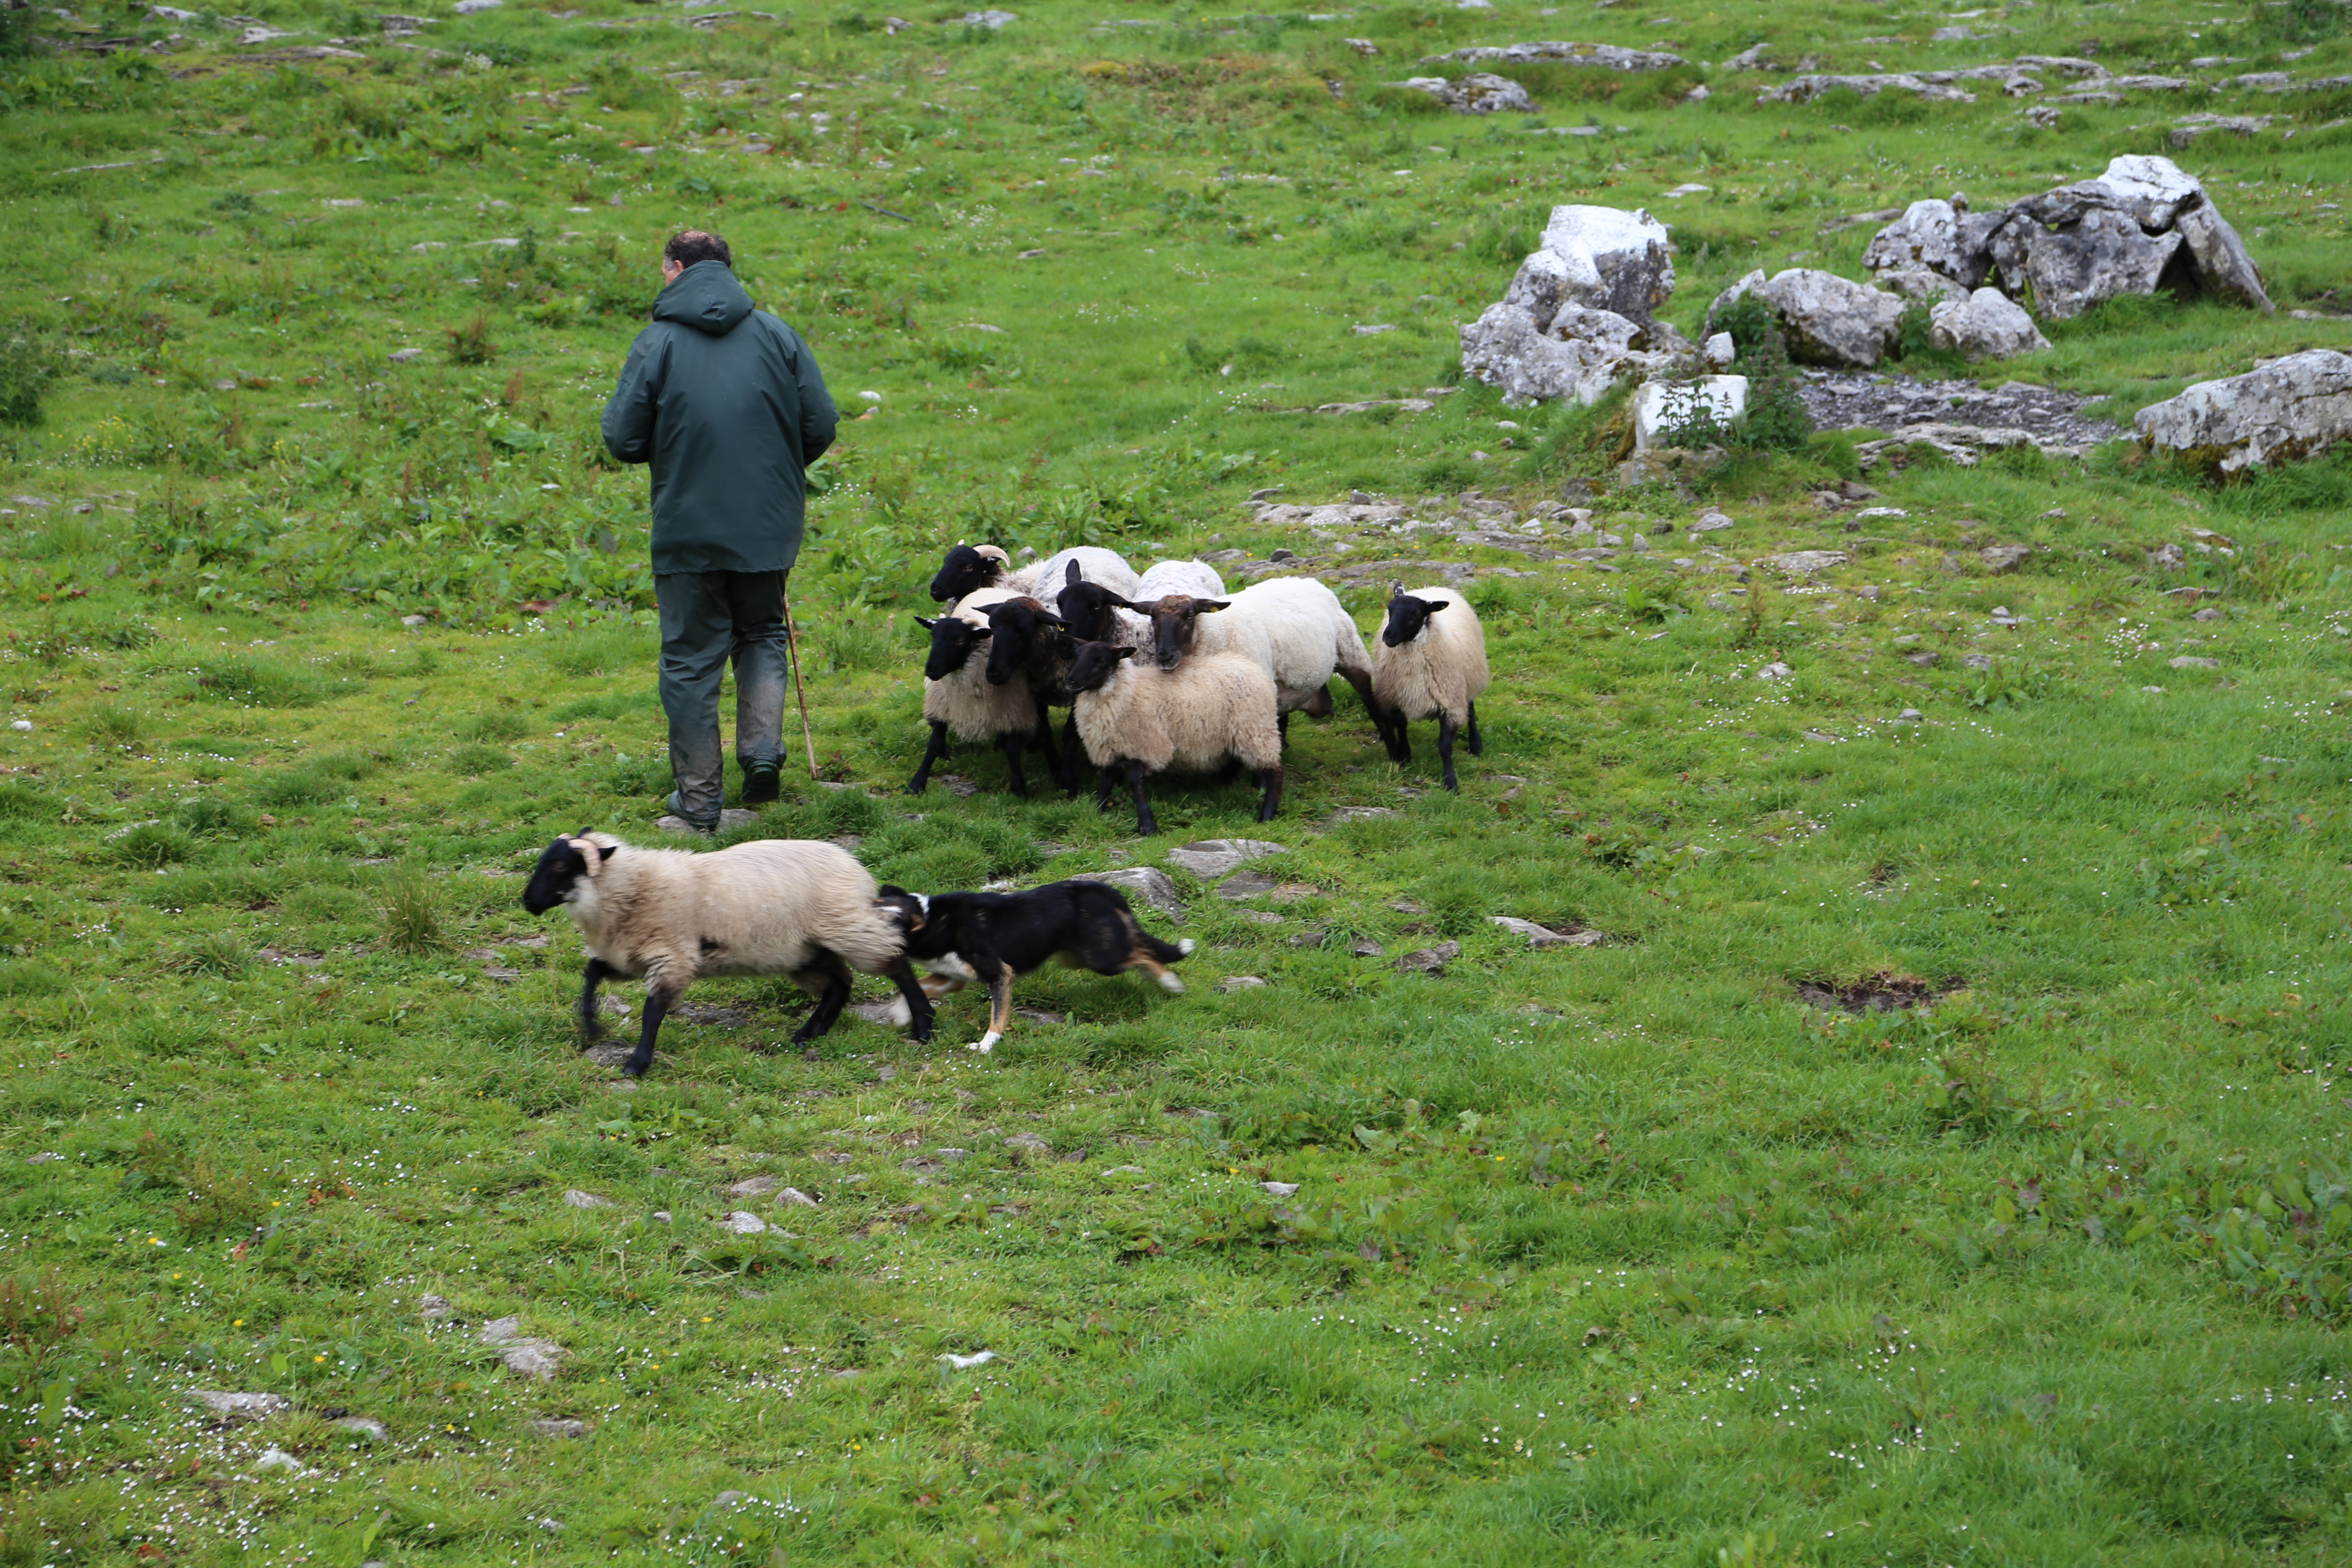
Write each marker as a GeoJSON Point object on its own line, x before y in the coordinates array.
{"type": "Point", "coordinates": [412, 908]}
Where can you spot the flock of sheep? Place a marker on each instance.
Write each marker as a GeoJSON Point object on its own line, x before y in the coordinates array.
{"type": "Point", "coordinates": [1164, 671]}
{"type": "Point", "coordinates": [1161, 671]}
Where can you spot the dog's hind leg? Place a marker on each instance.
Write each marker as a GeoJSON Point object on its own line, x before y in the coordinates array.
{"type": "Point", "coordinates": [997, 975]}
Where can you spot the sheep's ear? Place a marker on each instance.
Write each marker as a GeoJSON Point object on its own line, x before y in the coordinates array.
{"type": "Point", "coordinates": [1072, 576]}
{"type": "Point", "coordinates": [604, 851]}
{"type": "Point", "coordinates": [1123, 653]}
{"type": "Point", "coordinates": [1431, 607]}
{"type": "Point", "coordinates": [1203, 607]}
{"type": "Point", "coordinates": [983, 631]}
{"type": "Point", "coordinates": [1052, 621]}
{"type": "Point", "coordinates": [927, 626]}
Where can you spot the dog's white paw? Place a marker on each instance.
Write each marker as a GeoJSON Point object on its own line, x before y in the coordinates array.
{"type": "Point", "coordinates": [1184, 945]}
{"type": "Point", "coordinates": [1170, 982]}
{"type": "Point", "coordinates": [988, 1043]}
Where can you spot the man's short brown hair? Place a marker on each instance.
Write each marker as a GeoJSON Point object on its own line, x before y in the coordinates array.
{"type": "Point", "coordinates": [693, 245]}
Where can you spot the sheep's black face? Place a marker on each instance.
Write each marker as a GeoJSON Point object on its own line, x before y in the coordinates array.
{"type": "Point", "coordinates": [952, 640]}
{"type": "Point", "coordinates": [1172, 620]}
{"type": "Point", "coordinates": [1094, 664]}
{"type": "Point", "coordinates": [1018, 623]}
{"type": "Point", "coordinates": [1085, 609]}
{"type": "Point", "coordinates": [560, 866]}
{"type": "Point", "coordinates": [1407, 615]}
{"type": "Point", "coordinates": [964, 571]}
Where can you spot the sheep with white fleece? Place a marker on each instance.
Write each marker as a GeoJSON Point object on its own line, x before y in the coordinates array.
{"type": "Point", "coordinates": [959, 698]}
{"type": "Point", "coordinates": [1294, 628]}
{"type": "Point", "coordinates": [1431, 664]}
{"type": "Point", "coordinates": [775, 906]}
{"type": "Point", "coordinates": [970, 567]}
{"type": "Point", "coordinates": [1212, 708]}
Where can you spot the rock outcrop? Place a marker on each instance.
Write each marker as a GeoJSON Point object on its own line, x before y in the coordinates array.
{"type": "Point", "coordinates": [1608, 56]}
{"type": "Point", "coordinates": [1665, 409]}
{"type": "Point", "coordinates": [1478, 93]}
{"type": "Point", "coordinates": [2145, 223]}
{"type": "Point", "coordinates": [1580, 312]}
{"type": "Point", "coordinates": [1826, 319]}
{"type": "Point", "coordinates": [2291, 407]}
{"type": "Point", "coordinates": [1988, 324]}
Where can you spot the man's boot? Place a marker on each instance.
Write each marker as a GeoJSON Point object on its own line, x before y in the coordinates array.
{"type": "Point", "coordinates": [761, 784]}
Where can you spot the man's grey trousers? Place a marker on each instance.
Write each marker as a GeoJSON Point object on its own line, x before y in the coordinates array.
{"type": "Point", "coordinates": [707, 618]}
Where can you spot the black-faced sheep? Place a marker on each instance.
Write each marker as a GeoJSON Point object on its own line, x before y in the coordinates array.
{"type": "Point", "coordinates": [1431, 664]}
{"type": "Point", "coordinates": [1093, 614]}
{"type": "Point", "coordinates": [1212, 709]}
{"type": "Point", "coordinates": [958, 698]}
{"type": "Point", "coordinates": [775, 906]}
{"type": "Point", "coordinates": [1294, 628]}
{"type": "Point", "coordinates": [971, 567]}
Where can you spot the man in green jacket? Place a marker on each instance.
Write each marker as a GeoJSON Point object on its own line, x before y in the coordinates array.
{"type": "Point", "coordinates": [726, 403]}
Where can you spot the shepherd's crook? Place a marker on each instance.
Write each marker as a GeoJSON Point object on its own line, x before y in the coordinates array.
{"type": "Point", "coordinates": [792, 652]}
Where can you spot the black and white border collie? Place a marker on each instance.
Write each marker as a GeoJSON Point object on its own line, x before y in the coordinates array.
{"type": "Point", "coordinates": [990, 938]}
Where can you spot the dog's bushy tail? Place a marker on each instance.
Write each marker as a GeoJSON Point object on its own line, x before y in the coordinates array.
{"type": "Point", "coordinates": [1164, 951]}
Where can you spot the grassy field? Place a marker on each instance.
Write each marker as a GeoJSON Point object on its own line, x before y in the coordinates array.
{"type": "Point", "coordinates": [1646, 1252]}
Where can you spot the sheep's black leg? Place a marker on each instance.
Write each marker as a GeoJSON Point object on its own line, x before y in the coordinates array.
{"type": "Point", "coordinates": [1072, 750]}
{"type": "Point", "coordinates": [1282, 725]}
{"type": "Point", "coordinates": [1269, 780]}
{"type": "Point", "coordinates": [918, 1001]}
{"type": "Point", "coordinates": [596, 970]}
{"type": "Point", "coordinates": [1103, 784]}
{"type": "Point", "coordinates": [1012, 748]}
{"type": "Point", "coordinates": [1400, 743]}
{"type": "Point", "coordinates": [1477, 741]}
{"type": "Point", "coordinates": [829, 1004]}
{"type": "Point", "coordinates": [1145, 823]}
{"type": "Point", "coordinates": [658, 997]}
{"type": "Point", "coordinates": [931, 753]}
{"type": "Point", "coordinates": [1446, 751]}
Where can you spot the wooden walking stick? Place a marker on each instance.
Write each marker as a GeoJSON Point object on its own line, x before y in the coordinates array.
{"type": "Point", "coordinates": [791, 653]}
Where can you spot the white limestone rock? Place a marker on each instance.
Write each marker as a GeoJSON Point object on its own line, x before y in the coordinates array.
{"type": "Point", "coordinates": [1660, 406]}
{"type": "Point", "coordinates": [2291, 407]}
{"type": "Point", "coordinates": [1988, 325]}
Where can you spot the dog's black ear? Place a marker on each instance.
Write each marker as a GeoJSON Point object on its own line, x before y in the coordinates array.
{"type": "Point", "coordinates": [892, 890]}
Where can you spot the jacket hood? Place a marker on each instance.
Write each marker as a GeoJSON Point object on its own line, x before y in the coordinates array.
{"type": "Point", "coordinates": [705, 297]}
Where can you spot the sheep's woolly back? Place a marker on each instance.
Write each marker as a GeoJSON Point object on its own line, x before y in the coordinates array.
{"type": "Point", "coordinates": [1439, 673]}
{"type": "Point", "coordinates": [1295, 629]}
{"type": "Point", "coordinates": [1160, 578]}
{"type": "Point", "coordinates": [1190, 718]}
{"type": "Point", "coordinates": [1096, 564]}
{"type": "Point", "coordinates": [764, 908]}
{"type": "Point", "coordinates": [965, 702]}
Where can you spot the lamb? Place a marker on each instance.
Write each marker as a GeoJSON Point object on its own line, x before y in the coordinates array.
{"type": "Point", "coordinates": [1214, 708]}
{"type": "Point", "coordinates": [774, 906]}
{"type": "Point", "coordinates": [1430, 666]}
{"type": "Point", "coordinates": [971, 567]}
{"type": "Point", "coordinates": [958, 698]}
{"type": "Point", "coordinates": [1095, 614]}
{"type": "Point", "coordinates": [1292, 627]}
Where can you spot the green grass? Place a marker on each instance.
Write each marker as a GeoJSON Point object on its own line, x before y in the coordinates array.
{"type": "Point", "coordinates": [1610, 1255]}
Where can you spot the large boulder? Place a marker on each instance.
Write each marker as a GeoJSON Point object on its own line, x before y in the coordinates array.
{"type": "Point", "coordinates": [1601, 257]}
{"type": "Point", "coordinates": [1826, 319]}
{"type": "Point", "coordinates": [2290, 407]}
{"type": "Point", "coordinates": [2145, 223]}
{"type": "Point", "coordinates": [1942, 237]}
{"type": "Point", "coordinates": [1578, 314]}
{"type": "Point", "coordinates": [1989, 324]}
{"type": "Point", "coordinates": [2217, 258]}
{"type": "Point", "coordinates": [2083, 253]}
